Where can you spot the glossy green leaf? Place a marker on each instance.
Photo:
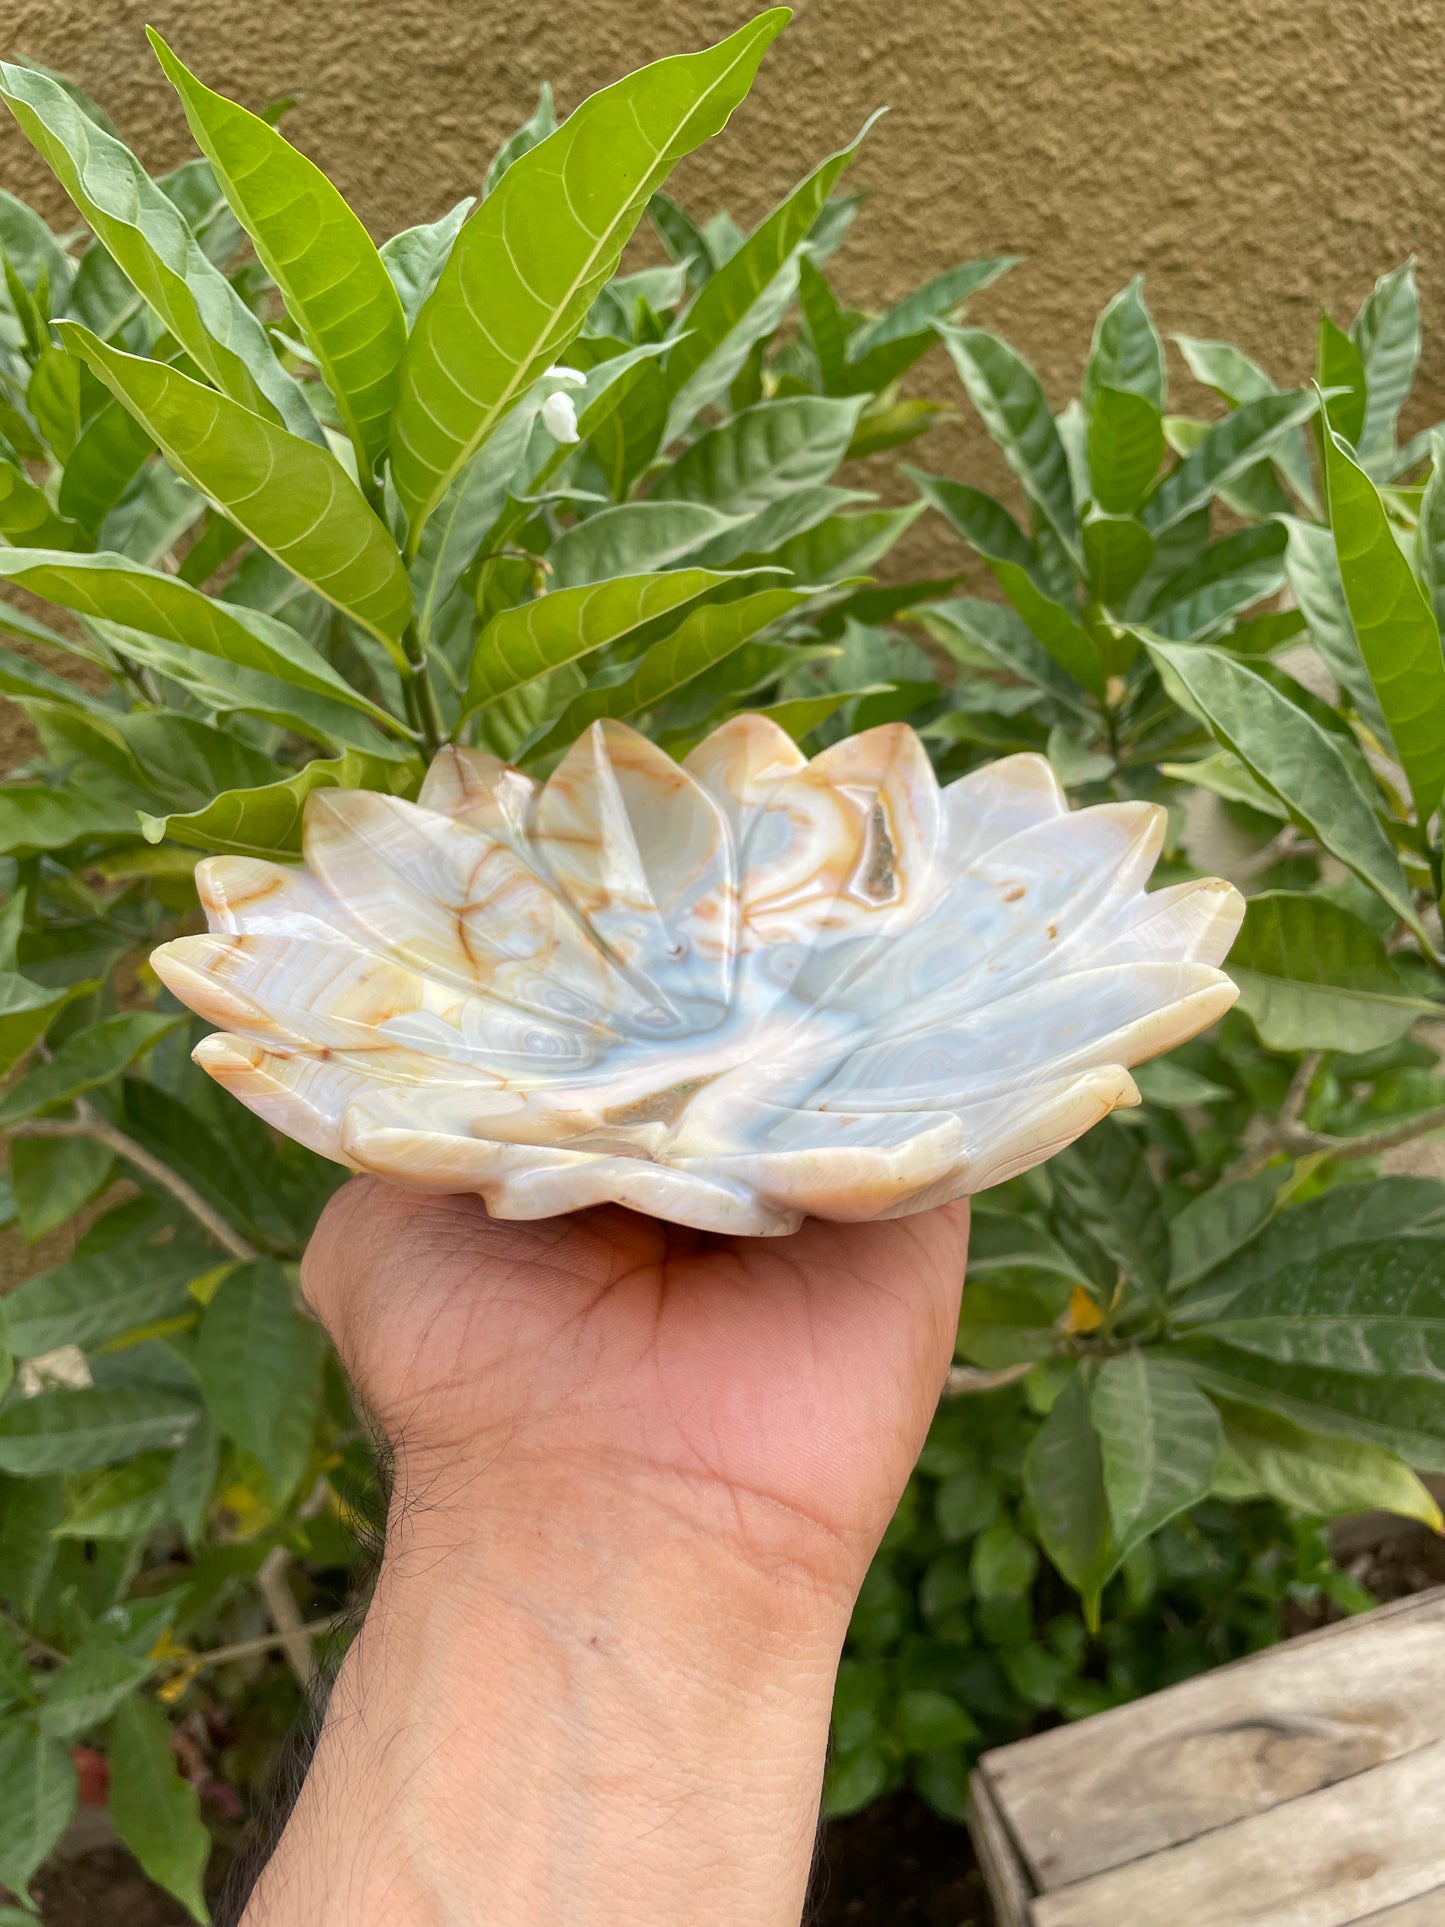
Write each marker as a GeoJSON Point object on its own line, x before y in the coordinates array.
{"type": "Point", "coordinates": [98, 1676]}
{"type": "Point", "coordinates": [1387, 333]}
{"type": "Point", "coordinates": [1230, 447]}
{"type": "Point", "coordinates": [53, 1177]}
{"type": "Point", "coordinates": [1064, 1482]}
{"type": "Point", "coordinates": [1219, 1222]}
{"type": "Point", "coordinates": [118, 590]}
{"type": "Point", "coordinates": [705, 637]}
{"type": "Point", "coordinates": [634, 538]}
{"type": "Point", "coordinates": [762, 455]}
{"type": "Point", "coordinates": [1313, 977]}
{"type": "Point", "coordinates": [838, 546]}
{"type": "Point", "coordinates": [541, 122]}
{"type": "Point", "coordinates": [26, 514]}
{"type": "Point", "coordinates": [1376, 1310]}
{"type": "Point", "coordinates": [146, 234]}
{"type": "Point", "coordinates": [1430, 535]}
{"type": "Point", "coordinates": [1105, 1176]}
{"type": "Point", "coordinates": [258, 1361]}
{"type": "Point", "coordinates": [27, 1010]}
{"type": "Point", "coordinates": [266, 822]}
{"type": "Point", "coordinates": [882, 350]}
{"type": "Point", "coordinates": [318, 253]}
{"type": "Point", "coordinates": [1159, 1441]}
{"type": "Point", "coordinates": [37, 1798]}
{"type": "Point", "coordinates": [523, 643]}
{"type": "Point", "coordinates": [1291, 755]}
{"type": "Point", "coordinates": [69, 1431]}
{"type": "Point", "coordinates": [1313, 570]}
{"type": "Point", "coordinates": [89, 1299]}
{"type": "Point", "coordinates": [979, 634]}
{"type": "Point", "coordinates": [295, 500]}
{"type": "Point", "coordinates": [123, 1502]}
{"type": "Point", "coordinates": [87, 1058]}
{"type": "Point", "coordinates": [1341, 376]}
{"type": "Point", "coordinates": [415, 258]}
{"type": "Point", "coordinates": [1125, 448]}
{"type": "Point", "coordinates": [105, 461]}
{"type": "Point", "coordinates": [1231, 373]}
{"type": "Point", "coordinates": [1118, 550]}
{"type": "Point", "coordinates": [745, 299]}
{"type": "Point", "coordinates": [1315, 1473]}
{"type": "Point", "coordinates": [155, 1810]}
{"type": "Point", "coordinates": [1127, 354]}
{"type": "Point", "coordinates": [1394, 625]}
{"type": "Point", "coordinates": [1231, 574]}
{"type": "Point", "coordinates": [526, 267]}
{"type": "Point", "coordinates": [1015, 411]}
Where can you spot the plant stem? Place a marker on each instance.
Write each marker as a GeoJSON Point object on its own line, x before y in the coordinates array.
{"type": "Point", "coordinates": [246, 1648]}
{"type": "Point", "coordinates": [285, 1614]}
{"type": "Point", "coordinates": [421, 697]}
{"type": "Point", "coordinates": [88, 1123]}
{"type": "Point", "coordinates": [1296, 1140]}
{"type": "Point", "coordinates": [963, 1380]}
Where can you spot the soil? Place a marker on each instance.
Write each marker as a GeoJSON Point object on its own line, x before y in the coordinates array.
{"type": "Point", "coordinates": [895, 1865]}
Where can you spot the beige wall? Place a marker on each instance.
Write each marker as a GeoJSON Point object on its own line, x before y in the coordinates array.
{"type": "Point", "coordinates": [1253, 156]}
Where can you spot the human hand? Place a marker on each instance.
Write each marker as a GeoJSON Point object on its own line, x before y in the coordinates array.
{"type": "Point", "coordinates": [641, 1471]}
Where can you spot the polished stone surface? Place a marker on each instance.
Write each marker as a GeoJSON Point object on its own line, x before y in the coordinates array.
{"type": "Point", "coordinates": [730, 992]}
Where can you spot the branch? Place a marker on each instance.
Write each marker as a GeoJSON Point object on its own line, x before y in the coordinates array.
{"type": "Point", "coordinates": [88, 1123]}
{"type": "Point", "coordinates": [291, 1633]}
{"type": "Point", "coordinates": [245, 1648]}
{"type": "Point", "coordinates": [964, 1380]}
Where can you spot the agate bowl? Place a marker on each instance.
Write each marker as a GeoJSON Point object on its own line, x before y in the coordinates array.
{"type": "Point", "coordinates": [730, 992]}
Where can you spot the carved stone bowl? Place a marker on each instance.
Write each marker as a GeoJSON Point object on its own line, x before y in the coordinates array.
{"type": "Point", "coordinates": [729, 992]}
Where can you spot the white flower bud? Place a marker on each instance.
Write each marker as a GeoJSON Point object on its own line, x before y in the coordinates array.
{"type": "Point", "coordinates": [568, 375]}
{"type": "Point", "coordinates": [559, 418]}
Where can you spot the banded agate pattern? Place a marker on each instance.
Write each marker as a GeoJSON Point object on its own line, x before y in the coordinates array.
{"type": "Point", "coordinates": [729, 992]}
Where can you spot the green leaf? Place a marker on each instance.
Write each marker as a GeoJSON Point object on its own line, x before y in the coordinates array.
{"type": "Point", "coordinates": [106, 460]}
{"type": "Point", "coordinates": [1117, 553]}
{"type": "Point", "coordinates": [27, 516]}
{"type": "Point", "coordinates": [89, 1299]}
{"type": "Point", "coordinates": [1394, 624]}
{"type": "Point", "coordinates": [634, 538]}
{"type": "Point", "coordinates": [16, 1681]}
{"type": "Point", "coordinates": [705, 637]}
{"type": "Point", "coordinates": [1168, 1082]}
{"type": "Point", "coordinates": [70, 1431]}
{"type": "Point", "coordinates": [27, 1010]}
{"type": "Point", "coordinates": [52, 1178]}
{"type": "Point", "coordinates": [1230, 447]}
{"type": "Point", "coordinates": [1387, 333]}
{"type": "Point", "coordinates": [541, 122]}
{"type": "Point", "coordinates": [123, 1502]}
{"type": "Point", "coordinates": [98, 1676]}
{"type": "Point", "coordinates": [415, 257]}
{"type": "Point", "coordinates": [294, 499]}
{"type": "Point", "coordinates": [1315, 1473]}
{"type": "Point", "coordinates": [1291, 755]}
{"type": "Point", "coordinates": [1159, 1441]}
{"type": "Point", "coordinates": [1371, 1310]}
{"type": "Point", "coordinates": [118, 590]}
{"type": "Point", "coordinates": [258, 1361]}
{"type": "Point", "coordinates": [745, 299]}
{"type": "Point", "coordinates": [1003, 1563]}
{"type": "Point", "coordinates": [839, 546]}
{"type": "Point", "coordinates": [1064, 1484]}
{"type": "Point", "coordinates": [983, 635]}
{"type": "Point", "coordinates": [1125, 448]}
{"type": "Point", "coordinates": [882, 350]}
{"type": "Point", "coordinates": [1106, 1177]}
{"type": "Point", "coordinates": [762, 455]}
{"type": "Point", "coordinates": [1127, 353]}
{"type": "Point", "coordinates": [88, 1058]}
{"type": "Point", "coordinates": [1313, 570]}
{"type": "Point", "coordinates": [1221, 1221]}
{"type": "Point", "coordinates": [1231, 574]}
{"type": "Point", "coordinates": [1338, 368]}
{"type": "Point", "coordinates": [520, 644]}
{"type": "Point", "coordinates": [148, 237]}
{"type": "Point", "coordinates": [266, 822]}
{"type": "Point", "coordinates": [37, 1798]}
{"type": "Point", "coordinates": [525, 269]}
{"type": "Point", "coordinates": [1313, 977]}
{"type": "Point", "coordinates": [925, 1720]}
{"type": "Point", "coordinates": [1015, 411]}
{"type": "Point", "coordinates": [1430, 535]}
{"type": "Point", "coordinates": [1405, 1415]}
{"type": "Point", "coordinates": [156, 1812]}
{"type": "Point", "coordinates": [322, 259]}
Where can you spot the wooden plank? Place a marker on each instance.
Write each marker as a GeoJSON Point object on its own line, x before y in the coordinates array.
{"type": "Point", "coordinates": [998, 1857]}
{"type": "Point", "coordinates": [1141, 1778]}
{"type": "Point", "coordinates": [1330, 1859]}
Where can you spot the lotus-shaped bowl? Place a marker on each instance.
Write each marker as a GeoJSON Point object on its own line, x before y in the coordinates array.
{"type": "Point", "coordinates": [729, 992]}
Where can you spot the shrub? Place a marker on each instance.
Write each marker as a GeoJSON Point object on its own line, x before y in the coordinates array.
{"type": "Point", "coordinates": [290, 543]}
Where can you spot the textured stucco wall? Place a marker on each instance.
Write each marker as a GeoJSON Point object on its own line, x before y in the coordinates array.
{"type": "Point", "coordinates": [1254, 158]}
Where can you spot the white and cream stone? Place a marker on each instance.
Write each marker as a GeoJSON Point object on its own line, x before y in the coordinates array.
{"type": "Point", "coordinates": [730, 992]}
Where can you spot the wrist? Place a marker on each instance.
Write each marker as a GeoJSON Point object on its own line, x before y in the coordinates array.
{"type": "Point", "coordinates": [623, 1682]}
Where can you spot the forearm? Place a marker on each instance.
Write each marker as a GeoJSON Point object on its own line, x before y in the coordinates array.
{"type": "Point", "coordinates": [576, 1703]}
